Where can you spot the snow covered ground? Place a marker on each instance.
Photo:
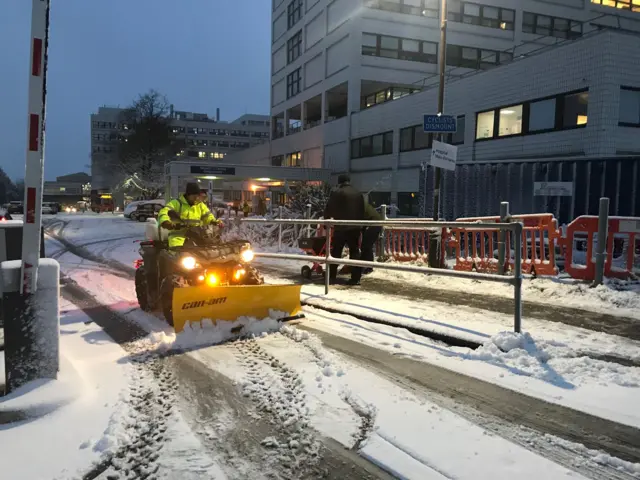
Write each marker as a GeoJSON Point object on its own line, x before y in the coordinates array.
{"type": "Point", "coordinates": [346, 401]}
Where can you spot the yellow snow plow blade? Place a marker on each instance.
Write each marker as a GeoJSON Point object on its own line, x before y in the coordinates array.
{"type": "Point", "coordinates": [193, 304]}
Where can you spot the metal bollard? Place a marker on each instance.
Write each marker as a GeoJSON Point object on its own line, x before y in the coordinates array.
{"type": "Point", "coordinates": [31, 327]}
{"type": "Point", "coordinates": [327, 247]}
{"type": "Point", "coordinates": [502, 235]}
{"type": "Point", "coordinates": [601, 253]}
{"type": "Point", "coordinates": [280, 229]}
{"type": "Point", "coordinates": [517, 279]}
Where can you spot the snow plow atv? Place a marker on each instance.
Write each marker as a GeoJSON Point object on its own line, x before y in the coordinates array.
{"type": "Point", "coordinates": [205, 278]}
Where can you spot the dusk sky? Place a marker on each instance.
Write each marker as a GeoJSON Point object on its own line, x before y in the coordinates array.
{"type": "Point", "coordinates": [202, 54]}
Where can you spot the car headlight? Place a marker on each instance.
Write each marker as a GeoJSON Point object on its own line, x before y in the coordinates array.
{"type": "Point", "coordinates": [67, 210]}
{"type": "Point", "coordinates": [74, 210]}
{"type": "Point", "coordinates": [188, 263]}
{"type": "Point", "coordinates": [247, 255]}
{"type": "Point", "coordinates": [212, 280]}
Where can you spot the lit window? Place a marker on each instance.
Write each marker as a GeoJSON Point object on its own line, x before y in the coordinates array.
{"type": "Point", "coordinates": [542, 115]}
{"type": "Point", "coordinates": [575, 109]}
{"type": "Point", "coordinates": [510, 122]}
{"type": "Point", "coordinates": [202, 154]}
{"type": "Point", "coordinates": [484, 124]}
{"type": "Point", "coordinates": [63, 189]}
{"type": "Point", "coordinates": [630, 106]}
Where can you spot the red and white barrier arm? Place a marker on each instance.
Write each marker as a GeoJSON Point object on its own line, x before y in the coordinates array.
{"type": "Point", "coordinates": [35, 149]}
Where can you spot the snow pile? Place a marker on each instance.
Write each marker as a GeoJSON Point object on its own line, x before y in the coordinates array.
{"type": "Point", "coordinates": [595, 456]}
{"type": "Point", "coordinates": [551, 361]}
{"type": "Point", "coordinates": [211, 332]}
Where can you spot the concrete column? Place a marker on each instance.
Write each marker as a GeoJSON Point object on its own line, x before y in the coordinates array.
{"type": "Point", "coordinates": [354, 90]}
{"type": "Point", "coordinates": [323, 107]}
{"type": "Point", "coordinates": [286, 122]}
{"type": "Point", "coordinates": [303, 114]}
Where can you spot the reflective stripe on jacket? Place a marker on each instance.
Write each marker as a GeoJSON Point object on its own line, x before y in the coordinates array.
{"type": "Point", "coordinates": [199, 211]}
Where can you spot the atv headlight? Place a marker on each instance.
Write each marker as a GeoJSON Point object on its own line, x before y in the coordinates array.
{"type": "Point", "coordinates": [188, 263]}
{"type": "Point", "coordinates": [212, 280]}
{"type": "Point", "coordinates": [247, 255]}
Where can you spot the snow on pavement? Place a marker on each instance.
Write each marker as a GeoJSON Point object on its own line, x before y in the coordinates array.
{"type": "Point", "coordinates": [570, 379]}
{"type": "Point", "coordinates": [75, 409]}
{"type": "Point", "coordinates": [390, 426]}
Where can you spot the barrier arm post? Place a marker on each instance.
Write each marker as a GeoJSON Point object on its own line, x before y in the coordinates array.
{"type": "Point", "coordinates": [517, 278]}
{"type": "Point", "coordinates": [280, 229]}
{"type": "Point", "coordinates": [601, 254]}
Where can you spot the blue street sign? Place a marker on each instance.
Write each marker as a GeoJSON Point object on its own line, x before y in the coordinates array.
{"type": "Point", "coordinates": [440, 123]}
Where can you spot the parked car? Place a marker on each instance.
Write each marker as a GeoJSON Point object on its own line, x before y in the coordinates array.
{"type": "Point", "coordinates": [49, 208]}
{"type": "Point", "coordinates": [146, 210]}
{"type": "Point", "coordinates": [131, 207]}
{"type": "Point", "coordinates": [15, 207]}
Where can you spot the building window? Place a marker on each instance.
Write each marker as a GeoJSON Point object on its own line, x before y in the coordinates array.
{"type": "Point", "coordinates": [457, 138]}
{"type": "Point", "coordinates": [633, 5]}
{"type": "Point", "coordinates": [542, 115]}
{"type": "Point", "coordinates": [471, 57]}
{"type": "Point", "coordinates": [414, 138]}
{"type": "Point", "coordinates": [630, 107]}
{"type": "Point", "coordinates": [294, 12]}
{"type": "Point", "coordinates": [277, 160]}
{"type": "Point", "coordinates": [575, 109]}
{"type": "Point", "coordinates": [423, 8]}
{"type": "Point", "coordinates": [551, 26]}
{"type": "Point", "coordinates": [386, 95]}
{"type": "Point", "coordinates": [484, 124]}
{"type": "Point", "coordinates": [293, 159]}
{"type": "Point", "coordinates": [399, 48]}
{"type": "Point", "coordinates": [380, 144]}
{"type": "Point", "coordinates": [294, 47]}
{"type": "Point", "coordinates": [555, 113]}
{"type": "Point", "coordinates": [510, 121]}
{"type": "Point", "coordinates": [294, 82]}
{"type": "Point", "coordinates": [216, 155]}
{"type": "Point", "coordinates": [202, 154]}
{"type": "Point", "coordinates": [483, 15]}
{"type": "Point", "coordinates": [408, 204]}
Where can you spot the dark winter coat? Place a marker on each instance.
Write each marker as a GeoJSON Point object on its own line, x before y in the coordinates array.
{"type": "Point", "coordinates": [370, 213]}
{"type": "Point", "coordinates": [345, 203]}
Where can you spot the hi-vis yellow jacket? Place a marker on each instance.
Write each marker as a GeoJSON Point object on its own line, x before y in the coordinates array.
{"type": "Point", "coordinates": [199, 211]}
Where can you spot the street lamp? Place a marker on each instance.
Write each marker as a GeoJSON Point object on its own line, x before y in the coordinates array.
{"type": "Point", "coordinates": [435, 240]}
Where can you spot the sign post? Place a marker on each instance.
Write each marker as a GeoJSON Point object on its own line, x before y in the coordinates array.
{"type": "Point", "coordinates": [34, 170]}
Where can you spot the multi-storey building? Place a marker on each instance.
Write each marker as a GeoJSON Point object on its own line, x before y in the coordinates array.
{"type": "Point", "coordinates": [205, 139]}
{"type": "Point", "coordinates": [540, 92]}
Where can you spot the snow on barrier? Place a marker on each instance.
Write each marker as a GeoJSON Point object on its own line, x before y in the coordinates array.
{"type": "Point", "coordinates": [31, 324]}
{"type": "Point", "coordinates": [622, 250]}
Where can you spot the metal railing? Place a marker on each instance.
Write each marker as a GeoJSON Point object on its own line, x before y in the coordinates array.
{"type": "Point", "coordinates": [327, 260]}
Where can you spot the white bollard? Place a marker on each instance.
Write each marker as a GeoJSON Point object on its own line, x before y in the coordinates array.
{"type": "Point", "coordinates": [31, 324]}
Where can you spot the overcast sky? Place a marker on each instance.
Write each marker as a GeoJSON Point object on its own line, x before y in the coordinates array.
{"type": "Point", "coordinates": [202, 54]}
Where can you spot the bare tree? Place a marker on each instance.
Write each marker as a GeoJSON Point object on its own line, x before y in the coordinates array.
{"type": "Point", "coordinates": [146, 142]}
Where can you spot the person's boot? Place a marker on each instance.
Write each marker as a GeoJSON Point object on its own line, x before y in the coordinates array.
{"type": "Point", "coordinates": [353, 282]}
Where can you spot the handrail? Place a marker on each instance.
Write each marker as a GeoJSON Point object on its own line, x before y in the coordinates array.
{"type": "Point", "coordinates": [327, 260]}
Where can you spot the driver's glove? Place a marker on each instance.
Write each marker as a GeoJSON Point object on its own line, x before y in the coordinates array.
{"type": "Point", "coordinates": [167, 225]}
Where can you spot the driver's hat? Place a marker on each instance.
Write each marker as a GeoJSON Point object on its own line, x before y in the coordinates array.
{"type": "Point", "coordinates": [192, 189]}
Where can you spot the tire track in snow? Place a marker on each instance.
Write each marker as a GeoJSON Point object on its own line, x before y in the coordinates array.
{"type": "Point", "coordinates": [278, 391]}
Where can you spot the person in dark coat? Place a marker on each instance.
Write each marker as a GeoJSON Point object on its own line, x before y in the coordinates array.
{"type": "Point", "coordinates": [345, 203]}
{"type": "Point", "coordinates": [370, 235]}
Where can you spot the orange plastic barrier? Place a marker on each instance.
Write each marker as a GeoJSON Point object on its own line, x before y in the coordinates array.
{"type": "Point", "coordinates": [623, 247]}
{"type": "Point", "coordinates": [407, 245]}
{"type": "Point", "coordinates": [476, 248]}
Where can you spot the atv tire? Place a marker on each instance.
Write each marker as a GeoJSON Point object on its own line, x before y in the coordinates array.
{"type": "Point", "coordinates": [142, 291]}
{"type": "Point", "coordinates": [166, 295]}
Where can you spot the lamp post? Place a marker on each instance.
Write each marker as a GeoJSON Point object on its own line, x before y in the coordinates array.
{"type": "Point", "coordinates": [435, 240]}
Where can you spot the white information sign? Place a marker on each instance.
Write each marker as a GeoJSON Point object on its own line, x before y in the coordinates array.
{"type": "Point", "coordinates": [553, 189]}
{"type": "Point", "coordinates": [444, 155]}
